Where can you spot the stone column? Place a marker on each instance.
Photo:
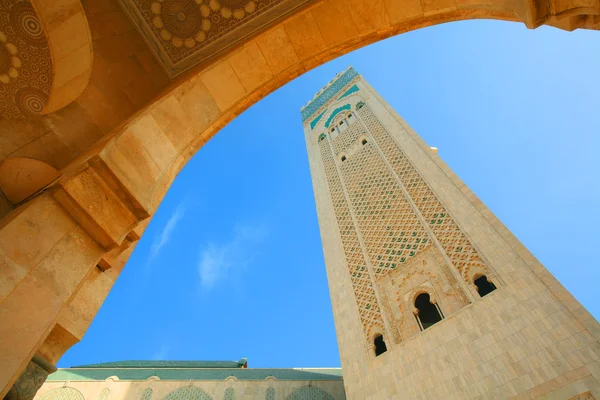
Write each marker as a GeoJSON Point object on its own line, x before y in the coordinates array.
{"type": "Point", "coordinates": [30, 380]}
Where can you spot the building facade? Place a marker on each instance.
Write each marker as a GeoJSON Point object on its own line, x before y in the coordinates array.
{"type": "Point", "coordinates": [432, 296]}
{"type": "Point", "coordinates": [191, 380]}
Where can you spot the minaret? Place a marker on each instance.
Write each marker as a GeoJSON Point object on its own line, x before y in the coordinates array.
{"type": "Point", "coordinates": [432, 295]}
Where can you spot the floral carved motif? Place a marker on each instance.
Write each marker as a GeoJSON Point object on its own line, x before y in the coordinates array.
{"type": "Point", "coordinates": [28, 383]}
{"type": "Point", "coordinates": [25, 61]}
{"type": "Point", "coordinates": [184, 33]}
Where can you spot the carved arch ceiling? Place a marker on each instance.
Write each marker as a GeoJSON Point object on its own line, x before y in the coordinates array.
{"type": "Point", "coordinates": [184, 33]}
{"type": "Point", "coordinates": [45, 56]}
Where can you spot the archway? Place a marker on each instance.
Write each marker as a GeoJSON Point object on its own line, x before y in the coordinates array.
{"type": "Point", "coordinates": [127, 174]}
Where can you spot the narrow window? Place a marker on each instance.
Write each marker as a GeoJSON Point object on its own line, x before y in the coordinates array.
{"type": "Point", "coordinates": [484, 286]}
{"type": "Point", "coordinates": [350, 116]}
{"type": "Point", "coordinates": [429, 313]}
{"type": "Point", "coordinates": [380, 346]}
{"type": "Point", "coordinates": [332, 128]}
{"type": "Point", "coordinates": [364, 141]}
{"type": "Point", "coordinates": [343, 158]}
{"type": "Point", "coordinates": [341, 123]}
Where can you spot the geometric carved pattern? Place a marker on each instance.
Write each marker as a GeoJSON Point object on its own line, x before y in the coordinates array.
{"type": "Point", "coordinates": [188, 393]}
{"type": "Point", "coordinates": [64, 393]}
{"type": "Point", "coordinates": [104, 394]}
{"type": "Point", "coordinates": [25, 61]}
{"type": "Point", "coordinates": [28, 383]}
{"type": "Point", "coordinates": [390, 228]}
{"type": "Point", "coordinates": [183, 33]}
{"type": "Point", "coordinates": [366, 299]}
{"type": "Point", "coordinates": [362, 165]}
{"type": "Point", "coordinates": [335, 86]}
{"type": "Point", "coordinates": [147, 395]}
{"type": "Point", "coordinates": [455, 243]}
{"type": "Point", "coordinates": [229, 395]}
{"type": "Point", "coordinates": [309, 393]}
{"type": "Point", "coordinates": [270, 394]}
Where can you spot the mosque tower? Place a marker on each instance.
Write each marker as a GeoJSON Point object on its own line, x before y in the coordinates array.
{"type": "Point", "coordinates": [433, 297]}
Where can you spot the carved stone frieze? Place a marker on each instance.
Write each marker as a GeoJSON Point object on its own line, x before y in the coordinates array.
{"type": "Point", "coordinates": [31, 380]}
{"type": "Point", "coordinates": [184, 33]}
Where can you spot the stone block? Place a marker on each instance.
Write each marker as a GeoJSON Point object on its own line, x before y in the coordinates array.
{"type": "Point", "coordinates": [403, 10]}
{"type": "Point", "coordinates": [368, 16]}
{"type": "Point", "coordinates": [250, 66]}
{"type": "Point", "coordinates": [304, 34]}
{"type": "Point", "coordinates": [333, 22]}
{"type": "Point", "coordinates": [277, 49]}
{"type": "Point", "coordinates": [91, 201]}
{"type": "Point", "coordinates": [223, 85]}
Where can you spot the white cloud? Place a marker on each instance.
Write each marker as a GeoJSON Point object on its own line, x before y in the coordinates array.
{"type": "Point", "coordinates": [164, 236]}
{"type": "Point", "coordinates": [161, 353]}
{"type": "Point", "coordinates": [217, 260]}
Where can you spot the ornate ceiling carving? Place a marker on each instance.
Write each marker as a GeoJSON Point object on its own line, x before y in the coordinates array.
{"type": "Point", "coordinates": [184, 33]}
{"type": "Point", "coordinates": [41, 71]}
{"type": "Point", "coordinates": [25, 63]}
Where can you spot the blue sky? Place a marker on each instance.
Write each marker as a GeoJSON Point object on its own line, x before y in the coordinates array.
{"type": "Point", "coordinates": [231, 265]}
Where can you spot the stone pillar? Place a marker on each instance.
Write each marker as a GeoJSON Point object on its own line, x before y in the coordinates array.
{"type": "Point", "coordinates": [60, 254]}
{"type": "Point", "coordinates": [31, 379]}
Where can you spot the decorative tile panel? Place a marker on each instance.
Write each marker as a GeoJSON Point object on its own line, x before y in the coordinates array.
{"type": "Point", "coordinates": [315, 121]}
{"type": "Point", "coordinates": [336, 112]}
{"type": "Point", "coordinates": [353, 89]}
{"type": "Point", "coordinates": [328, 93]}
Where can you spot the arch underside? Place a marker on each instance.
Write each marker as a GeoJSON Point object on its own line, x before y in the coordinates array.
{"type": "Point", "coordinates": [109, 188]}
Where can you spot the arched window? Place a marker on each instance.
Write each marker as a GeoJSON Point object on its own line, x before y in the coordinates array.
{"type": "Point", "coordinates": [332, 128]}
{"type": "Point", "coordinates": [147, 395]}
{"type": "Point", "coordinates": [484, 286]}
{"type": "Point", "coordinates": [380, 346]}
{"type": "Point", "coordinates": [429, 313]}
{"type": "Point", "coordinates": [309, 393]}
{"type": "Point", "coordinates": [188, 393]}
{"type": "Point", "coordinates": [350, 115]}
{"type": "Point", "coordinates": [229, 395]}
{"type": "Point", "coordinates": [360, 105]}
{"type": "Point", "coordinates": [322, 136]}
{"type": "Point", "coordinates": [104, 394]}
{"type": "Point", "coordinates": [270, 394]}
{"type": "Point", "coordinates": [343, 158]}
{"type": "Point", "coordinates": [364, 141]}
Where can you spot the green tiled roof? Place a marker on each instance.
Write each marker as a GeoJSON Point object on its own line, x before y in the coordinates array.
{"type": "Point", "coordinates": [167, 364]}
{"type": "Point", "coordinates": [88, 373]}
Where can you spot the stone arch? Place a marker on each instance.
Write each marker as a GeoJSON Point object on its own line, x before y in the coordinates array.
{"type": "Point", "coordinates": [63, 393]}
{"type": "Point", "coordinates": [128, 172]}
{"type": "Point", "coordinates": [188, 393]}
{"type": "Point", "coordinates": [309, 393]}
